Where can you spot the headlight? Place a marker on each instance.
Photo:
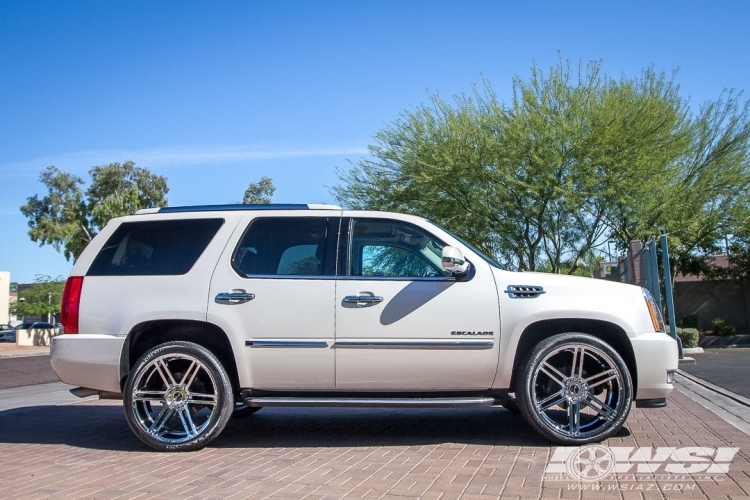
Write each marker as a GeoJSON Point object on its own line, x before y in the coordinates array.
{"type": "Point", "coordinates": [654, 311]}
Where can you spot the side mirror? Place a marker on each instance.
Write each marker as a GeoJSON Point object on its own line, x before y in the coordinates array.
{"type": "Point", "coordinates": [453, 261]}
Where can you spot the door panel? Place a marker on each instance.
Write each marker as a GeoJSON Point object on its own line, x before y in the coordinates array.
{"type": "Point", "coordinates": [429, 332]}
{"type": "Point", "coordinates": [283, 336]}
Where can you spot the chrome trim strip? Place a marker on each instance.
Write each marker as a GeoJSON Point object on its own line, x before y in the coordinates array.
{"type": "Point", "coordinates": [286, 343]}
{"type": "Point", "coordinates": [286, 276]}
{"type": "Point", "coordinates": [457, 402]}
{"type": "Point", "coordinates": [418, 344]}
{"type": "Point", "coordinates": [397, 278]}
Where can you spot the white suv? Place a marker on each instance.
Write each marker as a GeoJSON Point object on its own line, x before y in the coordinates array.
{"type": "Point", "coordinates": [191, 314]}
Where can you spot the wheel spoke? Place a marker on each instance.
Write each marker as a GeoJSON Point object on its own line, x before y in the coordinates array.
{"type": "Point", "coordinates": [602, 409]}
{"type": "Point", "coordinates": [551, 401]}
{"type": "Point", "coordinates": [149, 396]}
{"type": "Point", "coordinates": [577, 368]}
{"type": "Point", "coordinates": [609, 375]}
{"type": "Point", "coordinates": [161, 419]}
{"type": "Point", "coordinates": [202, 399]}
{"type": "Point", "coordinates": [553, 373]}
{"type": "Point", "coordinates": [166, 375]}
{"type": "Point", "coordinates": [574, 418]}
{"type": "Point", "coordinates": [190, 374]}
{"type": "Point", "coordinates": [575, 361]}
{"type": "Point", "coordinates": [187, 422]}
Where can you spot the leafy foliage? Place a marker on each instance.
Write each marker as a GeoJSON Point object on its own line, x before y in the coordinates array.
{"type": "Point", "coordinates": [691, 321]}
{"type": "Point", "coordinates": [68, 217]}
{"type": "Point", "coordinates": [723, 328]}
{"type": "Point", "coordinates": [575, 159]}
{"type": "Point", "coordinates": [260, 192]}
{"type": "Point", "coordinates": [688, 336]}
{"type": "Point", "coordinates": [41, 298]}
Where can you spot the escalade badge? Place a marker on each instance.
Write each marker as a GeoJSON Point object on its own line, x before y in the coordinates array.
{"type": "Point", "coordinates": [461, 332]}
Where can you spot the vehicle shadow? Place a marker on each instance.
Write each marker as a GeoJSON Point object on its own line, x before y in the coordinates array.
{"type": "Point", "coordinates": [103, 427]}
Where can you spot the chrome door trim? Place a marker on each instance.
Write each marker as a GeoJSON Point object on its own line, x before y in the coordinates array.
{"type": "Point", "coordinates": [371, 299]}
{"type": "Point", "coordinates": [396, 278]}
{"type": "Point", "coordinates": [418, 344]}
{"type": "Point", "coordinates": [286, 343]}
{"type": "Point", "coordinates": [235, 297]}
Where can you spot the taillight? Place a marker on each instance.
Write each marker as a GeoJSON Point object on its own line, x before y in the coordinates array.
{"type": "Point", "coordinates": [71, 300]}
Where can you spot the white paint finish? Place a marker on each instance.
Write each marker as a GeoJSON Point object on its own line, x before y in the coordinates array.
{"type": "Point", "coordinates": [656, 354]}
{"type": "Point", "coordinates": [308, 309]}
{"type": "Point", "coordinates": [283, 309]}
{"type": "Point", "coordinates": [417, 311]}
{"type": "Point", "coordinates": [566, 297]}
{"type": "Point", "coordinates": [115, 304]}
{"type": "Point", "coordinates": [88, 360]}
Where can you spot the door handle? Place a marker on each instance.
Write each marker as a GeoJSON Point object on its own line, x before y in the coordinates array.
{"type": "Point", "coordinates": [235, 297]}
{"type": "Point", "coordinates": [363, 300]}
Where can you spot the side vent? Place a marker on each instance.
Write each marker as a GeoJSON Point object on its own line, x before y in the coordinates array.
{"type": "Point", "coordinates": [524, 291]}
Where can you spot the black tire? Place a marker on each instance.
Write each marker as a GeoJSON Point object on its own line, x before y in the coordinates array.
{"type": "Point", "coordinates": [178, 397]}
{"type": "Point", "coordinates": [574, 389]}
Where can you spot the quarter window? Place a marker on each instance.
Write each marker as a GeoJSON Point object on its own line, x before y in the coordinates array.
{"type": "Point", "coordinates": [152, 248]}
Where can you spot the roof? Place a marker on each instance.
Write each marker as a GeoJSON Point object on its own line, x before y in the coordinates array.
{"type": "Point", "coordinates": [238, 207]}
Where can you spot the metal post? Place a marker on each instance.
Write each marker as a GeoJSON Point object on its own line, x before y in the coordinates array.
{"type": "Point", "coordinates": [647, 264]}
{"type": "Point", "coordinates": [668, 291]}
{"type": "Point", "coordinates": [654, 267]}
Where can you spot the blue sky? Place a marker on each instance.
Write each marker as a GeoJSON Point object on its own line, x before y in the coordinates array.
{"type": "Point", "coordinates": [214, 95]}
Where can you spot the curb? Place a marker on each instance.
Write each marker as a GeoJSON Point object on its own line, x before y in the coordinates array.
{"type": "Point", "coordinates": [716, 342]}
{"type": "Point", "coordinates": [24, 353]}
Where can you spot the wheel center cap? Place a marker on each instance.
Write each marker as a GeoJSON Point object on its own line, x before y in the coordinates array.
{"type": "Point", "coordinates": [576, 389]}
{"type": "Point", "coordinates": [177, 396]}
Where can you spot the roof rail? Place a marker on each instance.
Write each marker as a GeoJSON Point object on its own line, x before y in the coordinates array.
{"type": "Point", "coordinates": [237, 207]}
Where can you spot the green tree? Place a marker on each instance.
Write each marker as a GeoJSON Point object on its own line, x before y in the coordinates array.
{"type": "Point", "coordinates": [41, 298]}
{"type": "Point", "coordinates": [259, 192]}
{"type": "Point", "coordinates": [69, 216]}
{"type": "Point", "coordinates": [575, 158]}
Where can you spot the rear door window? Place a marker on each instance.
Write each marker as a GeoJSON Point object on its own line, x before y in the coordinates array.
{"type": "Point", "coordinates": [287, 246]}
{"type": "Point", "coordinates": [152, 248]}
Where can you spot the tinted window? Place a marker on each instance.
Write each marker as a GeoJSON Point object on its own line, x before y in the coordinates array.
{"type": "Point", "coordinates": [154, 247]}
{"type": "Point", "coordinates": [394, 249]}
{"type": "Point", "coordinates": [285, 246]}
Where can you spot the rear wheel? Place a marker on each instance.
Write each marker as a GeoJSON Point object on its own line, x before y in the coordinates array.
{"type": "Point", "coordinates": [575, 389]}
{"type": "Point", "coordinates": [178, 397]}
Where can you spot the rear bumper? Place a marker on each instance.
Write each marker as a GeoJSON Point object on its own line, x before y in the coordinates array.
{"type": "Point", "coordinates": [657, 358]}
{"type": "Point", "coordinates": [90, 361]}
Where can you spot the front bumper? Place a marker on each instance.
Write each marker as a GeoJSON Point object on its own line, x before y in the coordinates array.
{"type": "Point", "coordinates": [86, 360]}
{"type": "Point", "coordinates": [656, 357]}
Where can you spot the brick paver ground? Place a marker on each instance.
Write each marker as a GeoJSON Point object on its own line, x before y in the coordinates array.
{"type": "Point", "coordinates": [86, 450]}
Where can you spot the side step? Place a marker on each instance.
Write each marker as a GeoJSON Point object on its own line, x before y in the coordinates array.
{"type": "Point", "coordinates": [457, 402]}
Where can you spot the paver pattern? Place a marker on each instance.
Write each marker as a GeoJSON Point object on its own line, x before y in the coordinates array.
{"type": "Point", "coordinates": [86, 450]}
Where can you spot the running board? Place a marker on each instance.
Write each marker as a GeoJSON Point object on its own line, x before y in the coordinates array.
{"type": "Point", "coordinates": [457, 402]}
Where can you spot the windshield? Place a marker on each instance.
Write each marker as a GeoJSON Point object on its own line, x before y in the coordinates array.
{"type": "Point", "coordinates": [23, 326]}
{"type": "Point", "coordinates": [474, 249]}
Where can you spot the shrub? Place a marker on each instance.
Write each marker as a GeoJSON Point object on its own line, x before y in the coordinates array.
{"type": "Point", "coordinates": [722, 328]}
{"type": "Point", "coordinates": [691, 321]}
{"type": "Point", "coordinates": [688, 336]}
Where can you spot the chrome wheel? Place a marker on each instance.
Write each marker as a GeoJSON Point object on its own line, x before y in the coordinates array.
{"type": "Point", "coordinates": [578, 389]}
{"type": "Point", "coordinates": [176, 397]}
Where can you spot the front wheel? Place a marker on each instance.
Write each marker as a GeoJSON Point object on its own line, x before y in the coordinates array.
{"type": "Point", "coordinates": [178, 397]}
{"type": "Point", "coordinates": [574, 389]}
